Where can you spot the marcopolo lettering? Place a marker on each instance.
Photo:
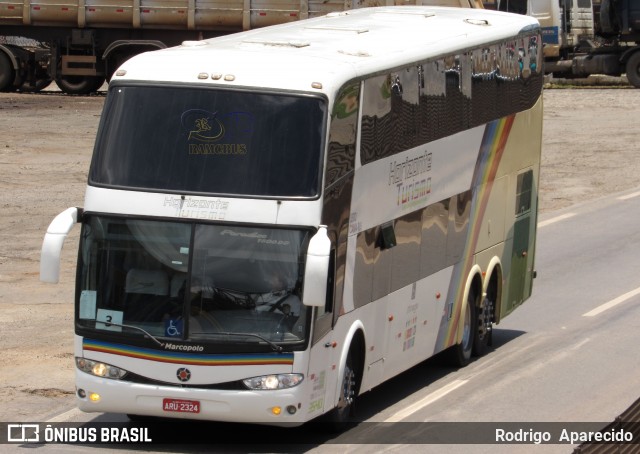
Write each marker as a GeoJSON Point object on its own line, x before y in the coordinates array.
{"type": "Point", "coordinates": [184, 348]}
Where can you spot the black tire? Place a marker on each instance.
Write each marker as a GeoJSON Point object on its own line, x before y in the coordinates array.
{"type": "Point", "coordinates": [460, 354]}
{"type": "Point", "coordinates": [484, 321]}
{"type": "Point", "coordinates": [633, 69]}
{"type": "Point", "coordinates": [7, 73]}
{"type": "Point", "coordinates": [98, 83]}
{"type": "Point", "coordinates": [339, 418]}
{"type": "Point", "coordinates": [40, 85]}
{"type": "Point", "coordinates": [79, 85]}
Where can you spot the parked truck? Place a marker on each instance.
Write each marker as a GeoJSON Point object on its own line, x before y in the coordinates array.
{"type": "Point", "coordinates": [585, 37]}
{"type": "Point", "coordinates": [79, 44]}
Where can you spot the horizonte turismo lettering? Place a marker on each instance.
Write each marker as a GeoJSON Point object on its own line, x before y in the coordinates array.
{"type": "Point", "coordinates": [409, 168]}
{"type": "Point", "coordinates": [178, 202]}
{"type": "Point", "coordinates": [408, 177]}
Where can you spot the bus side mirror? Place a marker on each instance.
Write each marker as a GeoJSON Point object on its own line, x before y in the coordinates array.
{"type": "Point", "coordinates": [52, 244]}
{"type": "Point", "coordinates": [316, 271]}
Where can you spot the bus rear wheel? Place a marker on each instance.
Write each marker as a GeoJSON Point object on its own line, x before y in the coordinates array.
{"type": "Point", "coordinates": [460, 354]}
{"type": "Point", "coordinates": [484, 325]}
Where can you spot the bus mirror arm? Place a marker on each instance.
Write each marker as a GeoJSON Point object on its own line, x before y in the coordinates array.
{"type": "Point", "coordinates": [53, 242]}
{"type": "Point", "coordinates": [317, 269]}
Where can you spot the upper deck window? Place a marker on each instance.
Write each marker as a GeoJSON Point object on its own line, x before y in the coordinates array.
{"type": "Point", "coordinates": [210, 141]}
{"type": "Point", "coordinates": [427, 101]}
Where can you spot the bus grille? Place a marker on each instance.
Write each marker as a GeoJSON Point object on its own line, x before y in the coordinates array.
{"type": "Point", "coordinates": [135, 378]}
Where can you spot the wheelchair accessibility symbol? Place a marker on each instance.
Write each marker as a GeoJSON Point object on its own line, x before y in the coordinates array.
{"type": "Point", "coordinates": [173, 328]}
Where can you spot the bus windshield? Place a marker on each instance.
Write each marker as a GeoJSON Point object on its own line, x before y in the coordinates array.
{"type": "Point", "coordinates": [227, 287]}
{"type": "Point", "coordinates": [213, 141]}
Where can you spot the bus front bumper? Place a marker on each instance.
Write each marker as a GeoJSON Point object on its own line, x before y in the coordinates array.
{"type": "Point", "coordinates": [272, 407]}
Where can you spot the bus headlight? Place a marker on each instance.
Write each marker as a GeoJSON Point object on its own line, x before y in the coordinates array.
{"type": "Point", "coordinates": [100, 369]}
{"type": "Point", "coordinates": [279, 381]}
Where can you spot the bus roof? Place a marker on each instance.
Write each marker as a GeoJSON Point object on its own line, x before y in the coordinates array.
{"type": "Point", "coordinates": [326, 51]}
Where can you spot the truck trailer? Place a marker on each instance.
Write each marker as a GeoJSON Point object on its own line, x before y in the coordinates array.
{"type": "Point", "coordinates": [78, 44]}
{"type": "Point", "coordinates": [585, 37]}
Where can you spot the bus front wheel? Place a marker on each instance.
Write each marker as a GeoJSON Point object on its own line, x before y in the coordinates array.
{"type": "Point", "coordinates": [339, 417]}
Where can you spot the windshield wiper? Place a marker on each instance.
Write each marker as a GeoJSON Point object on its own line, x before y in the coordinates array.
{"type": "Point", "coordinates": [274, 346]}
{"type": "Point", "coordinates": [146, 333]}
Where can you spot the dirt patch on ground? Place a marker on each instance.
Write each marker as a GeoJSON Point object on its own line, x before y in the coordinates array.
{"type": "Point", "coordinates": [590, 145]}
{"type": "Point", "coordinates": [45, 148]}
{"type": "Point", "coordinates": [589, 150]}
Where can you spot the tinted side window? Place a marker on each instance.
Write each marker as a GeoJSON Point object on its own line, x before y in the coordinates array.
{"type": "Point", "coordinates": [434, 99]}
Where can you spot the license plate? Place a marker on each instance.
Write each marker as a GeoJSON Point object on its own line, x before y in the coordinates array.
{"type": "Point", "coordinates": [181, 406]}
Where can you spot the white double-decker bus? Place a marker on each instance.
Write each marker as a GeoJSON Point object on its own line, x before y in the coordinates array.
{"type": "Point", "coordinates": [279, 220]}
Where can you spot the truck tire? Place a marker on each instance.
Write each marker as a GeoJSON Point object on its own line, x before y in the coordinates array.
{"type": "Point", "coordinates": [40, 85]}
{"type": "Point", "coordinates": [79, 85]}
{"type": "Point", "coordinates": [7, 74]}
{"type": "Point", "coordinates": [633, 69]}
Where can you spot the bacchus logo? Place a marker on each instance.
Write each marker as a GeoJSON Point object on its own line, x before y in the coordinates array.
{"type": "Point", "coordinates": [203, 129]}
{"type": "Point", "coordinates": [217, 133]}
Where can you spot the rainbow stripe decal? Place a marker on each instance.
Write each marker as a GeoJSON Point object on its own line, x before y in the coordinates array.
{"type": "Point", "coordinates": [234, 359]}
{"type": "Point", "coordinates": [491, 150]}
